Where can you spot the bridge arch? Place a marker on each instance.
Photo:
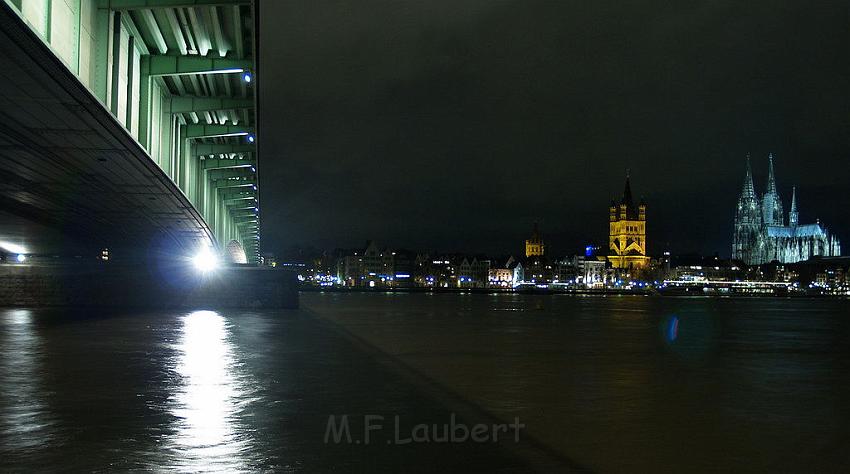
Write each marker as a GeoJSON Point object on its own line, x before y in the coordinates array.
{"type": "Point", "coordinates": [235, 253]}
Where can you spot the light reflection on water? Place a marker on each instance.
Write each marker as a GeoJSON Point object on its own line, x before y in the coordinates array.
{"type": "Point", "coordinates": [212, 394]}
{"type": "Point", "coordinates": [26, 422]}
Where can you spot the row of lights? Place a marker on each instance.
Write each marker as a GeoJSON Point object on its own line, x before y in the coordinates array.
{"type": "Point", "coordinates": [247, 77]}
{"type": "Point", "coordinates": [200, 259]}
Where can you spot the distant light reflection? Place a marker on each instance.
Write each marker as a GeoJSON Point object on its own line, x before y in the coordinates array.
{"type": "Point", "coordinates": [210, 398]}
{"type": "Point", "coordinates": [691, 337]}
{"type": "Point", "coordinates": [672, 329]}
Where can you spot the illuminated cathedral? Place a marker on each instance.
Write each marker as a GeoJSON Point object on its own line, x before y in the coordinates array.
{"type": "Point", "coordinates": [761, 234]}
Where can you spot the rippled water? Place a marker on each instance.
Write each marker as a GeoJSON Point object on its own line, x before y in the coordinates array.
{"type": "Point", "coordinates": [605, 384]}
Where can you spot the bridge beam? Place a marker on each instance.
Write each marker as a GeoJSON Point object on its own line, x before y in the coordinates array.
{"type": "Point", "coordinates": [227, 173]}
{"type": "Point", "coordinates": [205, 149]}
{"type": "Point", "coordinates": [240, 208]}
{"type": "Point", "coordinates": [212, 131]}
{"type": "Point", "coordinates": [215, 164]}
{"type": "Point", "coordinates": [149, 23]}
{"type": "Point", "coordinates": [235, 183]}
{"type": "Point", "coordinates": [237, 194]}
{"type": "Point", "coordinates": [237, 201]}
{"type": "Point", "coordinates": [243, 214]}
{"type": "Point", "coordinates": [186, 104]}
{"type": "Point", "coordinates": [159, 4]}
{"type": "Point", "coordinates": [162, 65]}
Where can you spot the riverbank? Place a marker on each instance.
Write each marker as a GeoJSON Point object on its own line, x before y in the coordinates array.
{"type": "Point", "coordinates": [486, 291]}
{"type": "Point", "coordinates": [663, 292]}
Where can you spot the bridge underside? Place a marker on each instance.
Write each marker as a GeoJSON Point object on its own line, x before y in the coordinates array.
{"type": "Point", "coordinates": [70, 165]}
{"type": "Point", "coordinates": [76, 179]}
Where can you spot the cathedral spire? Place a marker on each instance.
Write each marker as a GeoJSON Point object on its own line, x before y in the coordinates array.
{"type": "Point", "coordinates": [771, 179]}
{"type": "Point", "coordinates": [794, 199]}
{"type": "Point", "coordinates": [793, 216]}
{"type": "Point", "coordinates": [749, 190]}
{"type": "Point", "coordinates": [771, 202]}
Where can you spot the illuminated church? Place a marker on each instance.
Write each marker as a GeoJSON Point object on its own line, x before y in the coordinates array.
{"type": "Point", "coordinates": [761, 234]}
{"type": "Point", "coordinates": [627, 232]}
{"type": "Point", "coordinates": [534, 246]}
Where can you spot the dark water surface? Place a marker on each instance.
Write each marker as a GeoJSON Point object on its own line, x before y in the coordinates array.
{"type": "Point", "coordinates": [619, 384]}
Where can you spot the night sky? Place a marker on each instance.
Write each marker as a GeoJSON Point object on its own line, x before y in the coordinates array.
{"type": "Point", "coordinates": [456, 124]}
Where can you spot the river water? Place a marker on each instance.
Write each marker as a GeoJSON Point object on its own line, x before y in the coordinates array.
{"type": "Point", "coordinates": [606, 384]}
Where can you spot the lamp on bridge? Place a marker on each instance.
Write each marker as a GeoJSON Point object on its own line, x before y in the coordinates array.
{"type": "Point", "coordinates": [19, 251]}
{"type": "Point", "coordinates": [205, 261]}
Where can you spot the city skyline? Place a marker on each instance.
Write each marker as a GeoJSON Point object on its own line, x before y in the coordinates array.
{"type": "Point", "coordinates": [517, 249]}
{"type": "Point", "coordinates": [458, 125]}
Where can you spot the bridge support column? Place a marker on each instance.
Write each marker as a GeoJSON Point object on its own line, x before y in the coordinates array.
{"type": "Point", "coordinates": [145, 101]}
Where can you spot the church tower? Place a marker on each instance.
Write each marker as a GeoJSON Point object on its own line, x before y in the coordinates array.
{"type": "Point", "coordinates": [627, 232]}
{"type": "Point", "coordinates": [534, 246]}
{"type": "Point", "coordinates": [746, 240]}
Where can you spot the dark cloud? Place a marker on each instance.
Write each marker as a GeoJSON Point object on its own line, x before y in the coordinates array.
{"type": "Point", "coordinates": [456, 124]}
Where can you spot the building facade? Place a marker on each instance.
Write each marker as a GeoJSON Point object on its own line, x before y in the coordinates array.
{"type": "Point", "coordinates": [627, 233]}
{"type": "Point", "coordinates": [473, 273]}
{"type": "Point", "coordinates": [593, 273]}
{"type": "Point", "coordinates": [761, 234]}
{"type": "Point", "coordinates": [501, 278]}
